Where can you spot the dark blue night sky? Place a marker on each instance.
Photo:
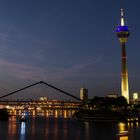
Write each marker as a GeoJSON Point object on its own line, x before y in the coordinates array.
{"type": "Point", "coordinates": [67, 43]}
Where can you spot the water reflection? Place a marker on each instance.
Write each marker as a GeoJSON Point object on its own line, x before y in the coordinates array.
{"type": "Point", "coordinates": [137, 124]}
{"type": "Point", "coordinates": [22, 131]}
{"type": "Point", "coordinates": [123, 137]}
{"type": "Point", "coordinates": [123, 132]}
{"type": "Point", "coordinates": [87, 129]}
{"type": "Point", "coordinates": [22, 128]}
{"type": "Point", "coordinates": [58, 128]}
{"type": "Point", "coordinates": [122, 127]}
{"type": "Point", "coordinates": [133, 124]}
{"type": "Point", "coordinates": [12, 126]}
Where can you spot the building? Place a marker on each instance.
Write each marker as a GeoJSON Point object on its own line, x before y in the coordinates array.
{"type": "Point", "coordinates": [135, 96]}
{"type": "Point", "coordinates": [83, 94]}
{"type": "Point", "coordinates": [123, 34]}
{"type": "Point", "coordinates": [112, 95]}
{"type": "Point", "coordinates": [43, 99]}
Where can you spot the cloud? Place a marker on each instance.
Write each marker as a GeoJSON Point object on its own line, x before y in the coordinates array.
{"type": "Point", "coordinates": [21, 71]}
{"type": "Point", "coordinates": [33, 73]}
{"type": "Point", "coordinates": [76, 69]}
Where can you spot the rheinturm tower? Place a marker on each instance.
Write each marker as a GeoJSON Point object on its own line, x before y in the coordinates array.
{"type": "Point", "coordinates": [123, 34]}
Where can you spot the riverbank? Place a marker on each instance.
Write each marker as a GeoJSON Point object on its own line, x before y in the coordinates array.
{"type": "Point", "coordinates": [99, 115]}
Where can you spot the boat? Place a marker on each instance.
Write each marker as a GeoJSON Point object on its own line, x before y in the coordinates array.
{"type": "Point", "coordinates": [23, 117]}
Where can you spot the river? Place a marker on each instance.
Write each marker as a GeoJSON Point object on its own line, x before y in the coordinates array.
{"type": "Point", "coordinates": [50, 128]}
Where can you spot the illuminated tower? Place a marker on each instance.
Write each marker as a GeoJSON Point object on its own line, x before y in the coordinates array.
{"type": "Point", "coordinates": [123, 34]}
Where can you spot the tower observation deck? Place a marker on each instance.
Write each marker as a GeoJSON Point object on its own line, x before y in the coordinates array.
{"type": "Point", "coordinates": [123, 34]}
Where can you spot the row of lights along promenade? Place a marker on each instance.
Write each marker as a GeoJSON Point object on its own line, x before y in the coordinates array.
{"type": "Point", "coordinates": [38, 107]}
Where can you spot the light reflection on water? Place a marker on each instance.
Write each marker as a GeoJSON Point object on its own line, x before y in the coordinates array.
{"type": "Point", "coordinates": [22, 131]}
{"type": "Point", "coordinates": [87, 129]}
{"type": "Point", "coordinates": [123, 137]}
{"type": "Point", "coordinates": [123, 132]}
{"type": "Point", "coordinates": [23, 126]}
{"type": "Point", "coordinates": [129, 131]}
{"type": "Point", "coordinates": [12, 126]}
{"type": "Point", "coordinates": [43, 128]}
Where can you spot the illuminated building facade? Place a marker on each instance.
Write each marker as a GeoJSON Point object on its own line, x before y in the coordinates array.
{"type": "Point", "coordinates": [123, 34]}
{"type": "Point", "coordinates": [135, 99]}
{"type": "Point", "coordinates": [112, 95]}
{"type": "Point", "coordinates": [135, 96]}
{"type": "Point", "coordinates": [83, 94]}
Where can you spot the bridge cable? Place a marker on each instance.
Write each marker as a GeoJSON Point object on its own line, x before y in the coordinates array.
{"type": "Point", "coordinates": [41, 82]}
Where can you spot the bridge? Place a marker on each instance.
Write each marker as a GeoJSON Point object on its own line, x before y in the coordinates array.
{"type": "Point", "coordinates": [44, 83]}
{"type": "Point", "coordinates": [34, 107]}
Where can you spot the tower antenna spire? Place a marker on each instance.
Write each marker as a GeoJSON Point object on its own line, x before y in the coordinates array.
{"type": "Point", "coordinates": [122, 17]}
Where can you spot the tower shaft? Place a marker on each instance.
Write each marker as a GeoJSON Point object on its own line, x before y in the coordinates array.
{"type": "Point", "coordinates": [124, 74]}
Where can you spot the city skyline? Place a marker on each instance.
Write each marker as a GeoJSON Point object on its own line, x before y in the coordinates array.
{"type": "Point", "coordinates": [67, 44]}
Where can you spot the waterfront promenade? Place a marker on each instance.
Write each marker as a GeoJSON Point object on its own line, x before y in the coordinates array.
{"type": "Point", "coordinates": [43, 108]}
